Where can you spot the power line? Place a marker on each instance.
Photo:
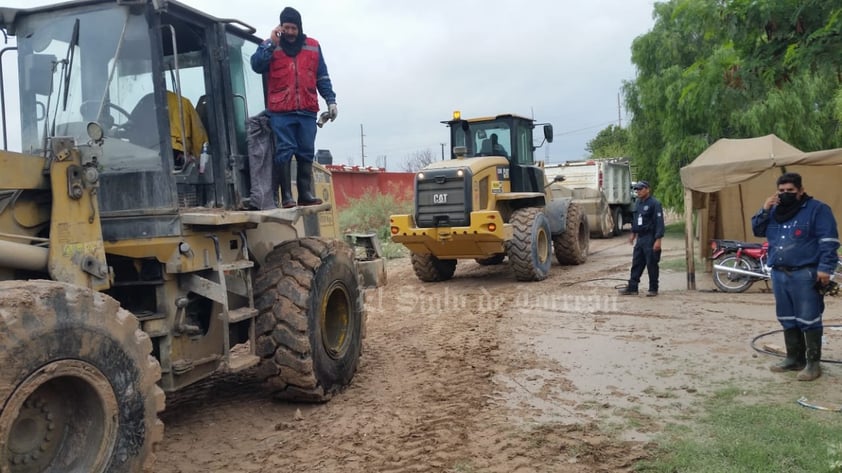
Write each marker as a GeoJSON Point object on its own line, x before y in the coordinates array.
{"type": "Point", "coordinates": [571, 132]}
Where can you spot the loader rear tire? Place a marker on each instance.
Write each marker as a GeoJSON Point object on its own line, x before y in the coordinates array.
{"type": "Point", "coordinates": [78, 385]}
{"type": "Point", "coordinates": [428, 268]}
{"type": "Point", "coordinates": [530, 250]}
{"type": "Point", "coordinates": [571, 246]}
{"type": "Point", "coordinates": [492, 260]}
{"type": "Point", "coordinates": [311, 319]}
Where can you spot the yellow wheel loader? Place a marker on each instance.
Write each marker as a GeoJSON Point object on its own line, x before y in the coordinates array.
{"type": "Point", "coordinates": [128, 269]}
{"type": "Point", "coordinates": [490, 202]}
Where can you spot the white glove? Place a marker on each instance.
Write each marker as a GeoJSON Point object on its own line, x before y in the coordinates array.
{"type": "Point", "coordinates": [331, 109]}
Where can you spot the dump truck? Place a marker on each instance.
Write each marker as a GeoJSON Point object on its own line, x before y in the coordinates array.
{"type": "Point", "coordinates": [490, 202]}
{"type": "Point", "coordinates": [603, 187]}
{"type": "Point", "coordinates": [126, 274]}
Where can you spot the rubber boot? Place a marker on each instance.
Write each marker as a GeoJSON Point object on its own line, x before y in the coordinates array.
{"type": "Point", "coordinates": [304, 179]}
{"type": "Point", "coordinates": [285, 178]}
{"type": "Point", "coordinates": [814, 355]}
{"type": "Point", "coordinates": [795, 352]}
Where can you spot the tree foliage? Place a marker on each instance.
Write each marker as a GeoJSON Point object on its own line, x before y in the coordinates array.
{"type": "Point", "coordinates": [712, 69]}
{"type": "Point", "coordinates": [610, 142]}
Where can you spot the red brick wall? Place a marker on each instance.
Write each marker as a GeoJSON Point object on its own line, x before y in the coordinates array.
{"type": "Point", "coordinates": [352, 183]}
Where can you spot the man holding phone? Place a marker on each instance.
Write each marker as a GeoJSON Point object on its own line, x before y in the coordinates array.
{"type": "Point", "coordinates": [803, 241]}
{"type": "Point", "coordinates": [296, 71]}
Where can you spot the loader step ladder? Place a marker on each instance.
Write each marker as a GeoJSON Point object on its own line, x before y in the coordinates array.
{"type": "Point", "coordinates": [236, 277]}
{"type": "Point", "coordinates": [232, 278]}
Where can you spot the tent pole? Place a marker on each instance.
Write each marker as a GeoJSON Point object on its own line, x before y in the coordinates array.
{"type": "Point", "coordinates": [688, 240]}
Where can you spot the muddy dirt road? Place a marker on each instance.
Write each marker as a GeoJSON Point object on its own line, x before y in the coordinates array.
{"type": "Point", "coordinates": [483, 374]}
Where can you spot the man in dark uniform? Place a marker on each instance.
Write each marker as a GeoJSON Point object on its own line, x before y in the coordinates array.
{"type": "Point", "coordinates": [803, 241]}
{"type": "Point", "coordinates": [648, 230]}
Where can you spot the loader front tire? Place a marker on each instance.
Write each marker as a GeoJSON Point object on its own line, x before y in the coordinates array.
{"type": "Point", "coordinates": [428, 268]}
{"type": "Point", "coordinates": [311, 319]}
{"type": "Point", "coordinates": [78, 385]}
{"type": "Point", "coordinates": [530, 250]}
{"type": "Point", "coordinates": [491, 260]}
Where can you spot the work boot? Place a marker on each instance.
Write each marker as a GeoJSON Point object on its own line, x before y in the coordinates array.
{"type": "Point", "coordinates": [285, 178]}
{"type": "Point", "coordinates": [626, 291]}
{"type": "Point", "coordinates": [814, 355]}
{"type": "Point", "coordinates": [795, 357]}
{"type": "Point", "coordinates": [304, 180]}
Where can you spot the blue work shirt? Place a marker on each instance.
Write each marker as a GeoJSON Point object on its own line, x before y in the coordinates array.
{"type": "Point", "coordinates": [648, 219]}
{"type": "Point", "coordinates": [809, 238]}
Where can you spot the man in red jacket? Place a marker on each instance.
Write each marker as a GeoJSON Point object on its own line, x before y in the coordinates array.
{"type": "Point", "coordinates": [296, 71]}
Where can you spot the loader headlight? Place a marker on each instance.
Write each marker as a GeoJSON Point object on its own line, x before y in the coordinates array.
{"type": "Point", "coordinates": [95, 132]}
{"type": "Point", "coordinates": [460, 173]}
{"type": "Point", "coordinates": [420, 176]}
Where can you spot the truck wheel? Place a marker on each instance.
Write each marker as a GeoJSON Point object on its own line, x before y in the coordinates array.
{"type": "Point", "coordinates": [310, 302]}
{"type": "Point", "coordinates": [78, 384]}
{"type": "Point", "coordinates": [530, 251]}
{"type": "Point", "coordinates": [491, 261]}
{"type": "Point", "coordinates": [618, 221]}
{"type": "Point", "coordinates": [428, 268]}
{"type": "Point", "coordinates": [571, 246]}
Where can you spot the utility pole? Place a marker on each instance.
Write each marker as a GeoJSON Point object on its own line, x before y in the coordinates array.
{"type": "Point", "coordinates": [442, 151]}
{"type": "Point", "coordinates": [362, 144]}
{"type": "Point", "coordinates": [619, 114]}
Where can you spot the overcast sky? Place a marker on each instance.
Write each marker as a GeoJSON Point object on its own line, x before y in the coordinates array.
{"type": "Point", "coordinates": [401, 67]}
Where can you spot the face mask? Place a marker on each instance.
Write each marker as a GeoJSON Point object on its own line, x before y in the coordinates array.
{"type": "Point", "coordinates": [787, 198]}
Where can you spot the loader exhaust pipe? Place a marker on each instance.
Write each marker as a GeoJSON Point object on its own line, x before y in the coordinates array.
{"type": "Point", "coordinates": [741, 272]}
{"type": "Point", "coordinates": [23, 256]}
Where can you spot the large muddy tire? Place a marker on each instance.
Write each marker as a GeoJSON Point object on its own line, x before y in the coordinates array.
{"type": "Point", "coordinates": [530, 250]}
{"type": "Point", "coordinates": [618, 221]}
{"type": "Point", "coordinates": [78, 385]}
{"type": "Point", "coordinates": [491, 261]}
{"type": "Point", "coordinates": [428, 268]}
{"type": "Point", "coordinates": [311, 315]}
{"type": "Point", "coordinates": [571, 246]}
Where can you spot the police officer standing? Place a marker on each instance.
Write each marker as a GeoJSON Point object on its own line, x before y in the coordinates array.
{"type": "Point", "coordinates": [648, 230]}
{"type": "Point", "coordinates": [803, 241]}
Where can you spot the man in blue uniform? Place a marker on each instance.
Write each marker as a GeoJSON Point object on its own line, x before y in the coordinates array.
{"type": "Point", "coordinates": [803, 241]}
{"type": "Point", "coordinates": [648, 230]}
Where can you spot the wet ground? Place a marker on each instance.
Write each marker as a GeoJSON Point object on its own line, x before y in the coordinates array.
{"type": "Point", "coordinates": [482, 373]}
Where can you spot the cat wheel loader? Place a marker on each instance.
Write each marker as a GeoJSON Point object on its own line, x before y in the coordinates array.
{"type": "Point", "coordinates": [490, 202]}
{"type": "Point", "coordinates": [126, 273]}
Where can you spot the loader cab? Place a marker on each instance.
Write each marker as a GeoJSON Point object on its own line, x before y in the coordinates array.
{"type": "Point", "coordinates": [509, 136]}
{"type": "Point", "coordinates": [115, 64]}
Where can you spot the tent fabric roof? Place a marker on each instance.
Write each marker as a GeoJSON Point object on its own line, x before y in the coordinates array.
{"type": "Point", "coordinates": [732, 161]}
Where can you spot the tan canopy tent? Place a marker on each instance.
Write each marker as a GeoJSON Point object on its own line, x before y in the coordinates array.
{"type": "Point", "coordinates": [731, 179]}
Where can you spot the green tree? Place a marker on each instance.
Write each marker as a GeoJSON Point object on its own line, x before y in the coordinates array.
{"type": "Point", "coordinates": [610, 142]}
{"type": "Point", "coordinates": [712, 69]}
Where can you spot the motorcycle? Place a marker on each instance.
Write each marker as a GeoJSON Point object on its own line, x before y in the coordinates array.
{"type": "Point", "coordinates": [737, 265]}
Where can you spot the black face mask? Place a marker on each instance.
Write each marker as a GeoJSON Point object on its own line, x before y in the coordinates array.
{"type": "Point", "coordinates": [787, 198]}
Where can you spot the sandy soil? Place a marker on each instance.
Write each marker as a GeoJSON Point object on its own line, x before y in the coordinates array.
{"type": "Point", "coordinates": [484, 374]}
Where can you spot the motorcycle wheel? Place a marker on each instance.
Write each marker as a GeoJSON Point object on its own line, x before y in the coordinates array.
{"type": "Point", "coordinates": [728, 281]}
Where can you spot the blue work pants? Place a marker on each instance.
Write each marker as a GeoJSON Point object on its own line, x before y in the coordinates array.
{"type": "Point", "coordinates": [296, 135]}
{"type": "Point", "coordinates": [644, 256]}
{"type": "Point", "coordinates": [797, 302]}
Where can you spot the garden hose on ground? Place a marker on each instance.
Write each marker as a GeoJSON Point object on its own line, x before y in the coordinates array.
{"type": "Point", "coordinates": [769, 352]}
